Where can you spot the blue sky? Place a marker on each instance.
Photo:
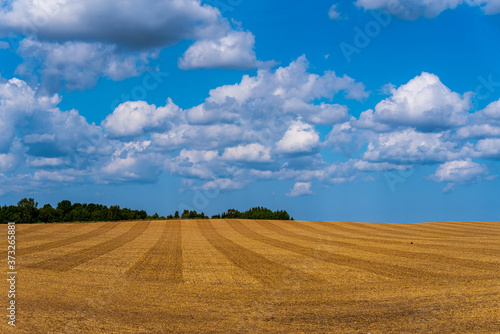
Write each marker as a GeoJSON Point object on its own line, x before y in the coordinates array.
{"type": "Point", "coordinates": [384, 111]}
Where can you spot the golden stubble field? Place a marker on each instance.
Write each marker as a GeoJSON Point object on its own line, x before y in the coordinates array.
{"type": "Point", "coordinates": [241, 276]}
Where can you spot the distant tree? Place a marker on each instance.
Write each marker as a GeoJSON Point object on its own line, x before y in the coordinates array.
{"type": "Point", "coordinates": [28, 211]}
{"type": "Point", "coordinates": [142, 215]}
{"type": "Point", "coordinates": [9, 214]}
{"type": "Point", "coordinates": [65, 206]}
{"type": "Point", "coordinates": [114, 213]}
{"type": "Point", "coordinates": [47, 214]}
{"type": "Point", "coordinates": [256, 213]}
{"type": "Point", "coordinates": [80, 214]}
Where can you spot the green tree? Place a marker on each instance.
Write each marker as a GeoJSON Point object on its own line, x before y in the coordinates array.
{"type": "Point", "coordinates": [64, 211]}
{"type": "Point", "coordinates": [80, 214]}
{"type": "Point", "coordinates": [28, 211]}
{"type": "Point", "coordinates": [47, 214]}
{"type": "Point", "coordinates": [114, 213]}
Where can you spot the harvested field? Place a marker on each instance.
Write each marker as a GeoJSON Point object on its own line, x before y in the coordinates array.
{"type": "Point", "coordinates": [163, 262]}
{"type": "Point", "coordinates": [243, 276]}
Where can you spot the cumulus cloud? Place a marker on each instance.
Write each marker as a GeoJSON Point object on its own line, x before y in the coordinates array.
{"type": "Point", "coordinates": [488, 148]}
{"type": "Point", "coordinates": [410, 146]}
{"type": "Point", "coordinates": [129, 162]}
{"type": "Point", "coordinates": [413, 9]}
{"type": "Point", "coordinates": [300, 138]}
{"type": "Point", "coordinates": [264, 127]}
{"type": "Point", "coordinates": [423, 103]}
{"type": "Point", "coordinates": [135, 118]}
{"type": "Point", "coordinates": [71, 45]}
{"type": "Point", "coordinates": [124, 23]}
{"type": "Point", "coordinates": [367, 166]}
{"type": "Point", "coordinates": [459, 171]}
{"type": "Point", "coordinates": [232, 51]}
{"type": "Point", "coordinates": [478, 131]}
{"type": "Point", "coordinates": [18, 101]}
{"type": "Point", "coordinates": [77, 65]}
{"type": "Point", "coordinates": [492, 110]}
{"type": "Point", "coordinates": [323, 113]}
{"type": "Point", "coordinates": [13, 158]}
{"type": "Point", "coordinates": [290, 82]}
{"type": "Point", "coordinates": [223, 184]}
{"type": "Point", "coordinates": [482, 124]}
{"type": "Point", "coordinates": [300, 189]}
{"type": "Point", "coordinates": [249, 153]}
{"type": "Point", "coordinates": [260, 109]}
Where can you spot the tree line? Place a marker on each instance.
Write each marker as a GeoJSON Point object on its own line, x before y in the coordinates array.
{"type": "Point", "coordinates": [27, 212]}
{"type": "Point", "coordinates": [255, 213]}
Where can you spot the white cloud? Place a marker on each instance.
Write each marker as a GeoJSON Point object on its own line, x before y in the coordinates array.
{"type": "Point", "coordinates": [77, 65]}
{"type": "Point", "coordinates": [73, 45]}
{"type": "Point", "coordinates": [413, 9]}
{"type": "Point", "coordinates": [135, 118]}
{"type": "Point", "coordinates": [249, 153]}
{"type": "Point", "coordinates": [195, 164]}
{"type": "Point", "coordinates": [17, 102]}
{"type": "Point", "coordinates": [324, 113]}
{"type": "Point", "coordinates": [196, 156]}
{"type": "Point", "coordinates": [478, 131]}
{"type": "Point", "coordinates": [409, 146]}
{"type": "Point", "coordinates": [263, 127]}
{"type": "Point", "coordinates": [489, 7]}
{"type": "Point", "coordinates": [300, 189]}
{"type": "Point", "coordinates": [131, 161]}
{"type": "Point", "coordinates": [482, 124]}
{"type": "Point", "coordinates": [207, 113]}
{"type": "Point", "coordinates": [232, 51]}
{"type": "Point", "coordinates": [54, 176]}
{"type": "Point", "coordinates": [223, 184]}
{"type": "Point", "coordinates": [4, 45]}
{"type": "Point", "coordinates": [153, 24]}
{"type": "Point", "coordinates": [367, 120]}
{"type": "Point", "coordinates": [492, 110]}
{"type": "Point", "coordinates": [333, 14]}
{"type": "Point", "coordinates": [367, 166]}
{"type": "Point", "coordinates": [459, 171]}
{"type": "Point", "coordinates": [300, 138]}
{"type": "Point", "coordinates": [346, 139]}
{"type": "Point", "coordinates": [11, 160]}
{"type": "Point", "coordinates": [46, 162]}
{"type": "Point", "coordinates": [290, 82]}
{"type": "Point", "coordinates": [488, 148]}
{"type": "Point", "coordinates": [424, 103]}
